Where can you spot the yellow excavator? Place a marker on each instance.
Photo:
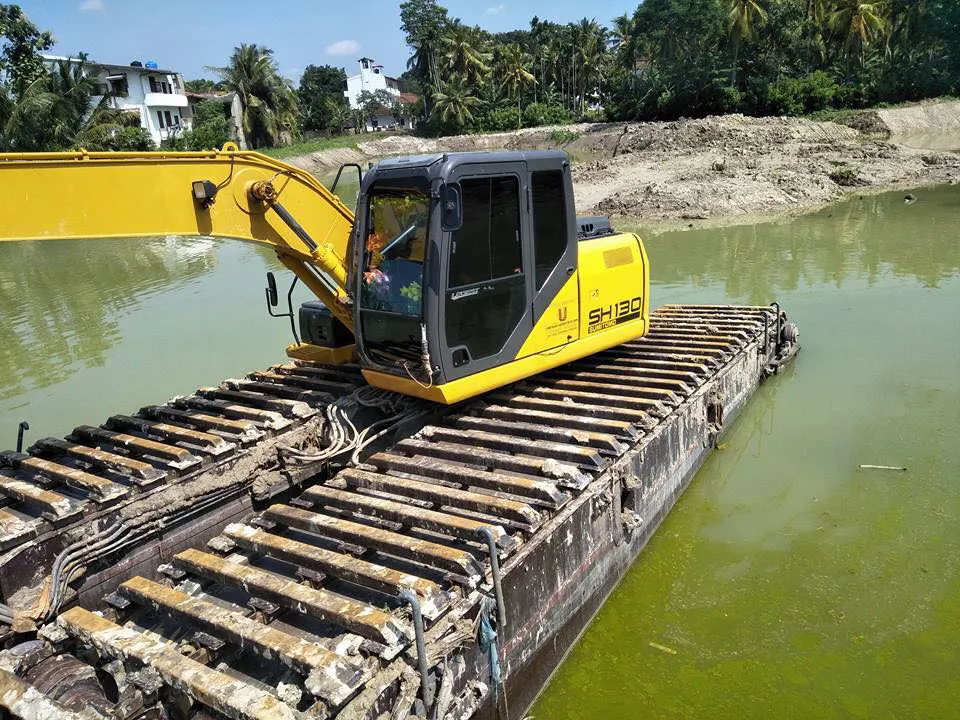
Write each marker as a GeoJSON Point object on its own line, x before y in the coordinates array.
{"type": "Point", "coordinates": [459, 273]}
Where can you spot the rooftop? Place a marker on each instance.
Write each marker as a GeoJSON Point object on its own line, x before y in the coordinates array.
{"type": "Point", "coordinates": [108, 66]}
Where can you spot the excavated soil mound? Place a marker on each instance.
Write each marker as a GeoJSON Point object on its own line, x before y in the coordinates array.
{"type": "Point", "coordinates": [707, 169]}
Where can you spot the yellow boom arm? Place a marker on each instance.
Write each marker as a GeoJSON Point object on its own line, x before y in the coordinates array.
{"type": "Point", "coordinates": [254, 197]}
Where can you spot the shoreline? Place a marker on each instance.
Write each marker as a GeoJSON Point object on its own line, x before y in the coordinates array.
{"type": "Point", "coordinates": [718, 170]}
{"type": "Point", "coordinates": [650, 227]}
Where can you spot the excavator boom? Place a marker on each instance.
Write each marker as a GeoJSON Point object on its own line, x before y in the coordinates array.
{"type": "Point", "coordinates": [224, 193]}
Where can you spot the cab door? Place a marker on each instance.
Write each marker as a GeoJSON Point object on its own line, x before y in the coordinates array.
{"type": "Point", "coordinates": [554, 250]}
{"type": "Point", "coordinates": [486, 311]}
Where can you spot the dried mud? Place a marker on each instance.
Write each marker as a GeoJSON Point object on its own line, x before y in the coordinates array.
{"type": "Point", "coordinates": [716, 169]}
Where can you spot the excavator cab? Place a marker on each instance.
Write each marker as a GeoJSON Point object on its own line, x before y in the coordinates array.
{"type": "Point", "coordinates": [466, 263]}
{"type": "Point", "coordinates": [459, 273]}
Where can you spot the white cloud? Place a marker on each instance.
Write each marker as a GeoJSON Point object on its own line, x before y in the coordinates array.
{"type": "Point", "coordinates": [495, 9]}
{"type": "Point", "coordinates": [343, 47]}
{"type": "Point", "coordinates": [92, 6]}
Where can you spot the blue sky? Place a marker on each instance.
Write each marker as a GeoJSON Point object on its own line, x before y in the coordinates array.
{"type": "Point", "coordinates": [189, 35]}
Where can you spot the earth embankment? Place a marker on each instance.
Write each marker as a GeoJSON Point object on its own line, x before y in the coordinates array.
{"type": "Point", "coordinates": [715, 168]}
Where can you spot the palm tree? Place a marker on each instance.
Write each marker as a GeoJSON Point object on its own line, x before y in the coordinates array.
{"type": "Point", "coordinates": [743, 19]}
{"type": "Point", "coordinates": [455, 102]}
{"type": "Point", "coordinates": [858, 22]}
{"type": "Point", "coordinates": [592, 44]}
{"type": "Point", "coordinates": [464, 53]}
{"type": "Point", "coordinates": [622, 31]}
{"type": "Point", "coordinates": [514, 74]}
{"type": "Point", "coordinates": [339, 114]}
{"type": "Point", "coordinates": [269, 100]}
{"type": "Point", "coordinates": [424, 63]}
{"type": "Point", "coordinates": [54, 112]}
{"type": "Point", "coordinates": [816, 11]}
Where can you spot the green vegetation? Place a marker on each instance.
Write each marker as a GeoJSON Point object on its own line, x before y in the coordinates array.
{"type": "Point", "coordinates": [322, 105]}
{"type": "Point", "coordinates": [561, 137]}
{"type": "Point", "coordinates": [669, 59]}
{"type": "Point", "coordinates": [269, 100]}
{"type": "Point", "coordinates": [52, 108]}
{"type": "Point", "coordinates": [674, 58]}
{"type": "Point", "coordinates": [473, 80]}
{"type": "Point", "coordinates": [211, 128]}
{"type": "Point", "coordinates": [697, 57]}
{"type": "Point", "coordinates": [316, 144]}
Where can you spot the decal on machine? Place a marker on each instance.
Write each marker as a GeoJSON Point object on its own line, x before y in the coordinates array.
{"type": "Point", "coordinates": [464, 293]}
{"type": "Point", "coordinates": [605, 317]}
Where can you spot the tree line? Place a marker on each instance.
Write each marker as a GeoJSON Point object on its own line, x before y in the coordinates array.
{"type": "Point", "coordinates": [673, 58]}
{"type": "Point", "coordinates": [669, 58]}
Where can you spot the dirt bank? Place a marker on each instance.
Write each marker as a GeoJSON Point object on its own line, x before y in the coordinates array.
{"type": "Point", "coordinates": [717, 168]}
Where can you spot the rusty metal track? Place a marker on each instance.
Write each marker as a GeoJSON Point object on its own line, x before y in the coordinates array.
{"type": "Point", "coordinates": [292, 612]}
{"type": "Point", "coordinates": [97, 468]}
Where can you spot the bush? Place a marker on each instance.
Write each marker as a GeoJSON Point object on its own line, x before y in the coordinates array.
{"type": "Point", "coordinates": [846, 176]}
{"type": "Point", "coordinates": [498, 120]}
{"type": "Point", "coordinates": [210, 135]}
{"type": "Point", "coordinates": [537, 114]}
{"type": "Point", "coordinates": [561, 137]}
{"type": "Point", "coordinates": [120, 139]}
{"type": "Point", "coordinates": [803, 95]}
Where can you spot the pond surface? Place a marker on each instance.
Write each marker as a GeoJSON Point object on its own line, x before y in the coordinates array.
{"type": "Point", "coordinates": [786, 583]}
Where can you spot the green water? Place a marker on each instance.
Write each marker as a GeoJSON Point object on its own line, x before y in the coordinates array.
{"type": "Point", "coordinates": [94, 328]}
{"type": "Point", "coordinates": [787, 582]}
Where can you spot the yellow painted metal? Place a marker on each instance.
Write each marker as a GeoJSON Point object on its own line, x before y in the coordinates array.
{"type": "Point", "coordinates": [612, 271]}
{"type": "Point", "coordinates": [319, 354]}
{"type": "Point", "coordinates": [73, 195]}
{"type": "Point", "coordinates": [481, 382]}
{"type": "Point", "coordinates": [560, 322]}
{"type": "Point", "coordinates": [104, 194]}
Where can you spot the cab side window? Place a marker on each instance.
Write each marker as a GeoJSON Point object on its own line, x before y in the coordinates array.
{"type": "Point", "coordinates": [549, 222]}
{"type": "Point", "coordinates": [486, 294]}
{"type": "Point", "coordinates": [487, 246]}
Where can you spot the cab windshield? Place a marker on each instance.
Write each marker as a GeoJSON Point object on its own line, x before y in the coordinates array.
{"type": "Point", "coordinates": [391, 283]}
{"type": "Point", "coordinates": [396, 239]}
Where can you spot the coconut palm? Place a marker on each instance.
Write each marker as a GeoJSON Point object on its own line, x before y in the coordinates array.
{"type": "Point", "coordinates": [622, 31]}
{"type": "Point", "coordinates": [816, 11]}
{"type": "Point", "coordinates": [592, 46]}
{"type": "Point", "coordinates": [455, 103]}
{"type": "Point", "coordinates": [464, 53]}
{"type": "Point", "coordinates": [858, 22]}
{"type": "Point", "coordinates": [269, 100]}
{"type": "Point", "coordinates": [54, 112]}
{"type": "Point", "coordinates": [743, 19]}
{"type": "Point", "coordinates": [513, 73]}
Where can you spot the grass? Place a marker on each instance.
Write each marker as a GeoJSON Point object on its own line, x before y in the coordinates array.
{"type": "Point", "coordinates": [834, 115]}
{"type": "Point", "coordinates": [841, 115]}
{"type": "Point", "coordinates": [324, 143]}
{"type": "Point", "coordinates": [846, 176]}
{"type": "Point", "coordinates": [564, 136]}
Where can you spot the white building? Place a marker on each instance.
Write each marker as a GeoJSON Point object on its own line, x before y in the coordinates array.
{"type": "Point", "coordinates": [371, 79]}
{"type": "Point", "coordinates": [156, 95]}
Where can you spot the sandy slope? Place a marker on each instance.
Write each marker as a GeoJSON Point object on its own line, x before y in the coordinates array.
{"type": "Point", "coordinates": [714, 168]}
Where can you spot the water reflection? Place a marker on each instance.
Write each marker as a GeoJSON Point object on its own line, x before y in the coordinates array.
{"type": "Point", "coordinates": [61, 300]}
{"type": "Point", "coordinates": [860, 240]}
{"type": "Point", "coordinates": [788, 582]}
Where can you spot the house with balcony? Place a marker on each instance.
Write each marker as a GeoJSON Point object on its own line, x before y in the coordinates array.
{"type": "Point", "coordinates": [156, 95]}
{"type": "Point", "coordinates": [370, 79]}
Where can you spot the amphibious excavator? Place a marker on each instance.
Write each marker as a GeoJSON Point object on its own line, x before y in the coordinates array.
{"type": "Point", "coordinates": [299, 545]}
{"type": "Point", "coordinates": [460, 272]}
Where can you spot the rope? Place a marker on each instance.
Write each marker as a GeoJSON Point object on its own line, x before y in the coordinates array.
{"type": "Point", "coordinates": [487, 640]}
